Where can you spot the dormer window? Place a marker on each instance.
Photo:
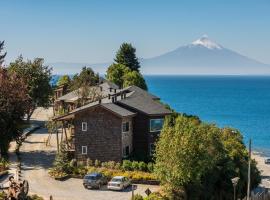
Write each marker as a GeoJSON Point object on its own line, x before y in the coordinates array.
{"type": "Point", "coordinates": [84, 126]}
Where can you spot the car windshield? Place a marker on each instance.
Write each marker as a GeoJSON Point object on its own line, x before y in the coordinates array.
{"type": "Point", "coordinates": [117, 180]}
{"type": "Point", "coordinates": [91, 177]}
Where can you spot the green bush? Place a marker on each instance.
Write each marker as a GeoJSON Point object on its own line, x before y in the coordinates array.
{"type": "Point", "coordinates": [127, 165]}
{"type": "Point", "coordinates": [137, 197]}
{"type": "Point", "coordinates": [97, 163]}
{"type": "Point", "coordinates": [34, 197]}
{"type": "Point", "coordinates": [150, 167]}
{"type": "Point", "coordinates": [142, 166]}
{"type": "Point", "coordinates": [135, 165]}
{"type": "Point", "coordinates": [89, 162]}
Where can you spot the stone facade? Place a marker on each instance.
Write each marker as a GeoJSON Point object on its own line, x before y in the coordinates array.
{"type": "Point", "coordinates": [103, 136]}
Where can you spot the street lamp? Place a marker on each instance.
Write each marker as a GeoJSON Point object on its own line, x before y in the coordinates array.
{"type": "Point", "coordinates": [234, 182]}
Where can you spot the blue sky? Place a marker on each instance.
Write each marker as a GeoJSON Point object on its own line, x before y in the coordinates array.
{"type": "Point", "coordinates": [91, 31]}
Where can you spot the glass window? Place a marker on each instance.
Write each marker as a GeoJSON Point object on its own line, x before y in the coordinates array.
{"type": "Point", "coordinates": [125, 127]}
{"type": "Point", "coordinates": [84, 126]}
{"type": "Point", "coordinates": [84, 150]}
{"type": "Point", "coordinates": [156, 125]}
{"type": "Point", "coordinates": [152, 149]}
{"type": "Point", "coordinates": [126, 151]}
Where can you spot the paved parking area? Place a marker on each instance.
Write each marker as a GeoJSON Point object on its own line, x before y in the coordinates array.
{"type": "Point", "coordinates": [37, 158]}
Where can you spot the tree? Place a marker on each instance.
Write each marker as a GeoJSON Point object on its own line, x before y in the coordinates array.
{"type": "Point", "coordinates": [134, 78]}
{"type": "Point", "coordinates": [87, 77]}
{"type": "Point", "coordinates": [115, 74]}
{"type": "Point", "coordinates": [14, 102]}
{"type": "Point", "coordinates": [64, 80]}
{"type": "Point", "coordinates": [202, 159]}
{"type": "Point", "coordinates": [2, 56]}
{"type": "Point", "coordinates": [126, 55]}
{"type": "Point", "coordinates": [37, 78]}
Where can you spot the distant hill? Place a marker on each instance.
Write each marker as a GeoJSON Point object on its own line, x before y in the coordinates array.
{"type": "Point", "coordinates": [202, 56]}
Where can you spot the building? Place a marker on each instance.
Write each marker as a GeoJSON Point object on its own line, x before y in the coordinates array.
{"type": "Point", "coordinates": [120, 123]}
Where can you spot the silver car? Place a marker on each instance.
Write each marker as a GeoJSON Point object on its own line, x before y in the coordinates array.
{"type": "Point", "coordinates": [119, 183]}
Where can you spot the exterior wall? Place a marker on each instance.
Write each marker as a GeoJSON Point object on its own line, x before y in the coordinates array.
{"type": "Point", "coordinates": [127, 137]}
{"type": "Point", "coordinates": [142, 137]}
{"type": "Point", "coordinates": [103, 137]}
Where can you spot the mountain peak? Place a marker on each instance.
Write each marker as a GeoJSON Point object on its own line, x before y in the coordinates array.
{"type": "Point", "coordinates": [206, 42]}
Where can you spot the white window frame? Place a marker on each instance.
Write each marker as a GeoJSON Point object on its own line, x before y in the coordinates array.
{"type": "Point", "coordinates": [84, 150]}
{"type": "Point", "coordinates": [128, 127]}
{"type": "Point", "coordinates": [152, 131]}
{"type": "Point", "coordinates": [84, 126]}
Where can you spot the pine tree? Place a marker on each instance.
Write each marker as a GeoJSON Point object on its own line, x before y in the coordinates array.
{"type": "Point", "coordinates": [2, 55]}
{"type": "Point", "coordinates": [126, 55]}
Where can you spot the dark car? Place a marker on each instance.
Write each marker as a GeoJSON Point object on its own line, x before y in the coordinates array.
{"type": "Point", "coordinates": [94, 180]}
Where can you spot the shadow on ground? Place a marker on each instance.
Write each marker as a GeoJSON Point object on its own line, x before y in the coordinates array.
{"type": "Point", "coordinates": [37, 159]}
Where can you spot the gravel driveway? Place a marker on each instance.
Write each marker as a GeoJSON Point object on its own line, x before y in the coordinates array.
{"type": "Point", "coordinates": [37, 158]}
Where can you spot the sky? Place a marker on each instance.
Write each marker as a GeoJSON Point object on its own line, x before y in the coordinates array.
{"type": "Point", "coordinates": [92, 30]}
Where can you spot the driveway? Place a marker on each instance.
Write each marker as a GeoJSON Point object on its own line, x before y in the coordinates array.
{"type": "Point", "coordinates": [37, 158]}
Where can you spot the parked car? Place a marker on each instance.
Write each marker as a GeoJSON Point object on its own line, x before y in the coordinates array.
{"type": "Point", "coordinates": [267, 161]}
{"type": "Point", "coordinates": [119, 183]}
{"type": "Point", "coordinates": [94, 180]}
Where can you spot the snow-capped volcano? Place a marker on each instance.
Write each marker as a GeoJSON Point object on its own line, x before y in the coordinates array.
{"type": "Point", "coordinates": [203, 56]}
{"type": "Point", "coordinates": [206, 42]}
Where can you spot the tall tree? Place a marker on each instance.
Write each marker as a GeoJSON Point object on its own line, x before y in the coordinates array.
{"type": "Point", "coordinates": [126, 55]}
{"type": "Point", "coordinates": [87, 77]}
{"type": "Point", "coordinates": [64, 80]}
{"type": "Point", "coordinates": [115, 74]}
{"type": "Point", "coordinates": [37, 77]}
{"type": "Point", "coordinates": [134, 78]}
{"type": "Point", "coordinates": [2, 55]}
{"type": "Point", "coordinates": [14, 102]}
{"type": "Point", "coordinates": [202, 159]}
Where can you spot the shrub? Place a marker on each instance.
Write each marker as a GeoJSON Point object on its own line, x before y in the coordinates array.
{"type": "Point", "coordinates": [127, 165]}
{"type": "Point", "coordinates": [89, 162]}
{"type": "Point", "coordinates": [34, 197]}
{"type": "Point", "coordinates": [117, 166]}
{"type": "Point", "coordinates": [111, 164]}
{"type": "Point", "coordinates": [56, 173]}
{"type": "Point", "coordinates": [137, 197]}
{"type": "Point", "coordinates": [73, 163]}
{"type": "Point", "coordinates": [142, 166]}
{"type": "Point", "coordinates": [150, 167]}
{"type": "Point", "coordinates": [97, 163]}
{"type": "Point", "coordinates": [135, 165]}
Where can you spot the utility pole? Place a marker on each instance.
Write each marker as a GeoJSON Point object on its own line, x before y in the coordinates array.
{"type": "Point", "coordinates": [249, 163]}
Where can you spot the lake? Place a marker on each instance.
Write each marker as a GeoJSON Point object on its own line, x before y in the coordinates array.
{"type": "Point", "coordinates": [242, 102]}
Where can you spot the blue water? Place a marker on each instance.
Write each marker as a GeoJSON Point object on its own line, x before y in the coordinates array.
{"type": "Point", "coordinates": [242, 102]}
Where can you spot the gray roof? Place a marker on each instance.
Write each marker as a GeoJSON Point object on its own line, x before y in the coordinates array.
{"type": "Point", "coordinates": [122, 112]}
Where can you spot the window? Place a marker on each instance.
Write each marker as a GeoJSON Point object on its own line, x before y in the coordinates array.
{"type": "Point", "coordinates": [156, 125]}
{"type": "Point", "coordinates": [152, 149]}
{"type": "Point", "coordinates": [126, 151]}
{"type": "Point", "coordinates": [84, 150]}
{"type": "Point", "coordinates": [125, 127]}
{"type": "Point", "coordinates": [84, 126]}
